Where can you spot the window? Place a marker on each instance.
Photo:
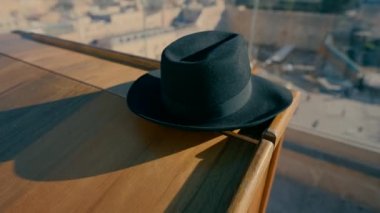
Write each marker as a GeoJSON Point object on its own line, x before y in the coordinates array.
{"type": "Point", "coordinates": [328, 49]}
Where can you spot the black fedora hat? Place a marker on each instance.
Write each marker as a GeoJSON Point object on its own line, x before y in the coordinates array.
{"type": "Point", "coordinates": [206, 84]}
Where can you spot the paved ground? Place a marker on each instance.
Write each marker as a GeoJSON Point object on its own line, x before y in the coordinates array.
{"type": "Point", "coordinates": [350, 120]}
{"type": "Point", "coordinates": [289, 196]}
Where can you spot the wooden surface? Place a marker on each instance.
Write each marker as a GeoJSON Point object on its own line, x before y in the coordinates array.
{"type": "Point", "coordinates": [261, 185]}
{"type": "Point", "coordinates": [277, 128]}
{"type": "Point", "coordinates": [271, 173]}
{"type": "Point", "coordinates": [253, 182]}
{"type": "Point", "coordinates": [69, 143]}
{"type": "Point", "coordinates": [276, 132]}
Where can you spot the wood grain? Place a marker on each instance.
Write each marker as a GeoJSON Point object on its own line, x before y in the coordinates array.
{"type": "Point", "coordinates": [69, 143]}
{"type": "Point", "coordinates": [252, 182]}
{"type": "Point", "coordinates": [278, 126]}
{"type": "Point", "coordinates": [96, 72]}
{"type": "Point", "coordinates": [66, 147]}
{"type": "Point", "coordinates": [268, 183]}
{"type": "Point", "coordinates": [275, 133]}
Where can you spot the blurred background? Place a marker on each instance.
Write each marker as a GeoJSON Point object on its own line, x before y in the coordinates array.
{"type": "Point", "coordinates": [328, 49]}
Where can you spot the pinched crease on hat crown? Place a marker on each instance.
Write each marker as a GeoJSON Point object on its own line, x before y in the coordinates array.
{"type": "Point", "coordinates": [198, 49]}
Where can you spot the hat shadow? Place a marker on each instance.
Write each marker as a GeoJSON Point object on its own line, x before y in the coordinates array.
{"type": "Point", "coordinates": [84, 136]}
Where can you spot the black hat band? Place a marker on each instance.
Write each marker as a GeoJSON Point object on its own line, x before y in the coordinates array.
{"type": "Point", "coordinates": [204, 112]}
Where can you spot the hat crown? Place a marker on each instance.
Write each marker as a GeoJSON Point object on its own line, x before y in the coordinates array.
{"type": "Point", "coordinates": [205, 75]}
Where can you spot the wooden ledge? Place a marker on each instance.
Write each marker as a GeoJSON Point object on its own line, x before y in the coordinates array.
{"type": "Point", "coordinates": [278, 126]}
{"type": "Point", "coordinates": [252, 185]}
{"type": "Point", "coordinates": [158, 167]}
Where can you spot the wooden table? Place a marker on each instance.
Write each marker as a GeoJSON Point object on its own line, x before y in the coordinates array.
{"type": "Point", "coordinates": [68, 142]}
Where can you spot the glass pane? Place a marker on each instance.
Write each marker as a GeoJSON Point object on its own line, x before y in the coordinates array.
{"type": "Point", "coordinates": [327, 49]}
{"type": "Point", "coordinates": [330, 50]}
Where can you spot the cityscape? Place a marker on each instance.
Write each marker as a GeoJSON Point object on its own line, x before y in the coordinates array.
{"type": "Point", "coordinates": [329, 50]}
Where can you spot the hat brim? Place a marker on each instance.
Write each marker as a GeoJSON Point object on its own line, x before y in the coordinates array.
{"type": "Point", "coordinates": [267, 100]}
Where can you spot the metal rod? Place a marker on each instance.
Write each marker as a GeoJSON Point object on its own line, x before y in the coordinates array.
{"type": "Point", "coordinates": [241, 137]}
{"type": "Point", "coordinates": [252, 31]}
{"type": "Point", "coordinates": [110, 55]}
